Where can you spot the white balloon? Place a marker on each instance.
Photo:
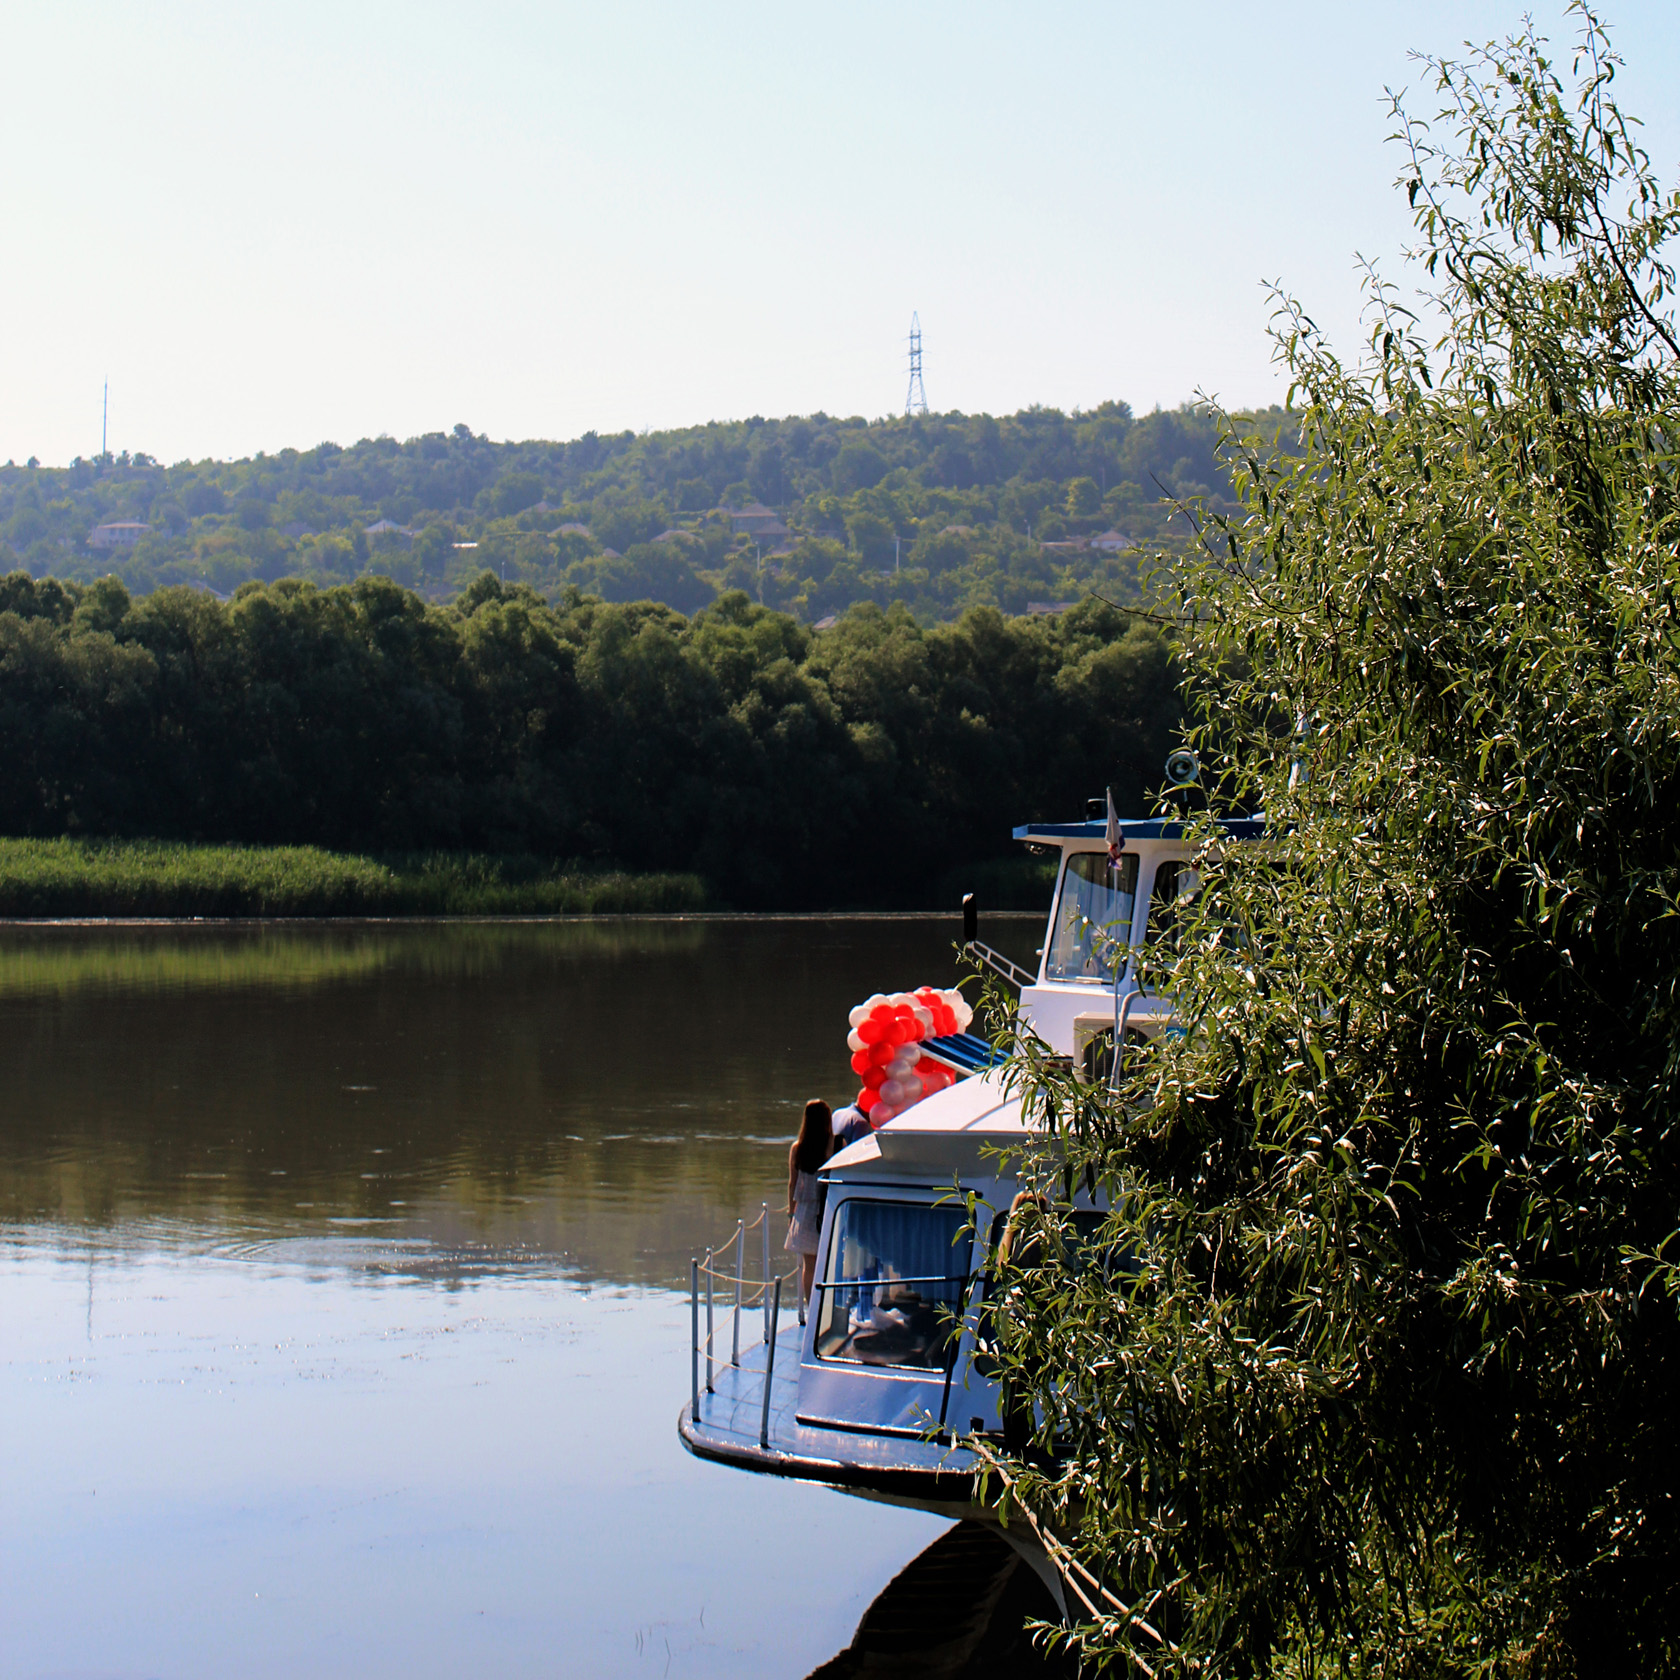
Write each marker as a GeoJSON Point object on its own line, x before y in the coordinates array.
{"type": "Point", "coordinates": [858, 1013]}
{"type": "Point", "coordinates": [853, 1042]}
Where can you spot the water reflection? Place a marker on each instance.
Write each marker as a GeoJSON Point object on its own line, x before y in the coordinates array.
{"type": "Point", "coordinates": [335, 1264]}
{"type": "Point", "coordinates": [604, 1094]}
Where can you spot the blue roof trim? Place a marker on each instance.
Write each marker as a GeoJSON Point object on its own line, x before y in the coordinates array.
{"type": "Point", "coordinates": [1137, 828]}
{"type": "Point", "coordinates": [967, 1053]}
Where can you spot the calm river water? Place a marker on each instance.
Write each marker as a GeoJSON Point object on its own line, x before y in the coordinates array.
{"type": "Point", "coordinates": [343, 1292]}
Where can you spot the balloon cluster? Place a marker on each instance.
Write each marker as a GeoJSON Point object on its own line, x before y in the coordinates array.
{"type": "Point", "coordinates": [885, 1042]}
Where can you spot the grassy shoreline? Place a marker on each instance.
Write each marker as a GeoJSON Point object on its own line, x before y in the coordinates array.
{"type": "Point", "coordinates": [166, 878]}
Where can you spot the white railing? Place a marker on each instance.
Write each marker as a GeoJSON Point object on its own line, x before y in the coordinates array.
{"type": "Point", "coordinates": [999, 964]}
{"type": "Point", "coordinates": [765, 1293]}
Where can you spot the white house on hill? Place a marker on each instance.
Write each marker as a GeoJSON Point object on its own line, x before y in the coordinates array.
{"type": "Point", "coordinates": [120, 533]}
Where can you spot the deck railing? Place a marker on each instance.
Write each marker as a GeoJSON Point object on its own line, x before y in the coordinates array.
{"type": "Point", "coordinates": [721, 1267]}
{"type": "Point", "coordinates": [999, 964]}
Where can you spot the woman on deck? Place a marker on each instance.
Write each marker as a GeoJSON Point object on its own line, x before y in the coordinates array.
{"type": "Point", "coordinates": [810, 1150]}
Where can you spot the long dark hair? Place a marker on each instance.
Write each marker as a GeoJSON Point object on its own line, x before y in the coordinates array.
{"type": "Point", "coordinates": [815, 1142]}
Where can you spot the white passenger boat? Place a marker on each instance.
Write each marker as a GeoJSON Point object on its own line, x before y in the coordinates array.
{"type": "Point", "coordinates": [874, 1392]}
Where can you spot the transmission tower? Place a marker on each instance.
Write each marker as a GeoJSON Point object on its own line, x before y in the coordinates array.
{"type": "Point", "coordinates": [916, 401]}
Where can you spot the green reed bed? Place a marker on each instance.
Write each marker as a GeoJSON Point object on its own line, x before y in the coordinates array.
{"type": "Point", "coordinates": [172, 878]}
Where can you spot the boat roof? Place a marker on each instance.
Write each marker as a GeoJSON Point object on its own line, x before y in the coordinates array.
{"type": "Point", "coordinates": [946, 1131]}
{"type": "Point", "coordinates": [1138, 828]}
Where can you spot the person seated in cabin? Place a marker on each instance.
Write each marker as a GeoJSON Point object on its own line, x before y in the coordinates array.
{"type": "Point", "coordinates": [810, 1150]}
{"type": "Point", "coordinates": [896, 1325]}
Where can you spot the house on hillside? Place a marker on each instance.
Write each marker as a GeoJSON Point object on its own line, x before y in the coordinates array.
{"type": "Point", "coordinates": [1112, 542]}
{"type": "Point", "coordinates": [120, 533]}
{"type": "Point", "coordinates": [760, 523]}
{"type": "Point", "coordinates": [389, 528]}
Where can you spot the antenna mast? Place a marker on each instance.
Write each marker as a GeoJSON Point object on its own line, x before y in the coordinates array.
{"type": "Point", "coordinates": [916, 401]}
{"type": "Point", "coordinates": [105, 419]}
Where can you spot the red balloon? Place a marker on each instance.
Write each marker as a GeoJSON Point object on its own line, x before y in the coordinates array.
{"type": "Point", "coordinates": [875, 1078]}
{"type": "Point", "coordinates": [860, 1061]}
{"type": "Point", "coordinates": [870, 1030]}
{"type": "Point", "coordinates": [867, 1099]}
{"type": "Point", "coordinates": [880, 1054]}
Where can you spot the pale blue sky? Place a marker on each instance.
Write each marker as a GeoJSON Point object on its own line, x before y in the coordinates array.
{"type": "Point", "coordinates": [273, 225]}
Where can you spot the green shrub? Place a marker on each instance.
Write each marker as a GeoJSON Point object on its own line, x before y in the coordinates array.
{"type": "Point", "coordinates": [1388, 1384]}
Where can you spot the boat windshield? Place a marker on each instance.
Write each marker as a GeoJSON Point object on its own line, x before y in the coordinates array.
{"type": "Point", "coordinates": [1094, 910]}
{"type": "Point", "coordinates": [895, 1284]}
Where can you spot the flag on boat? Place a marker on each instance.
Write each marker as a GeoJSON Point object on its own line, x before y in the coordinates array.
{"type": "Point", "coordinates": [1116, 841]}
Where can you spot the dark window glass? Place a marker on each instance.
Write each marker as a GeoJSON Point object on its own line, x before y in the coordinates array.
{"type": "Point", "coordinates": [1177, 881]}
{"type": "Point", "coordinates": [896, 1280]}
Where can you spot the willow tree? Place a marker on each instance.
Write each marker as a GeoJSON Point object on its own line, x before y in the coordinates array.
{"type": "Point", "coordinates": [1381, 1375]}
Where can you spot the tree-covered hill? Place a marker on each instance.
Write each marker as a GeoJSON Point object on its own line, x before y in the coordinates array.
{"type": "Point", "coordinates": [942, 512]}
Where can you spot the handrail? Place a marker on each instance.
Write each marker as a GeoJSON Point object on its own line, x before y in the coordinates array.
{"type": "Point", "coordinates": [719, 1267]}
{"type": "Point", "coordinates": [889, 1283]}
{"type": "Point", "coordinates": [1122, 1014]}
{"type": "Point", "coordinates": [769, 1371]}
{"type": "Point", "coordinates": [999, 964]}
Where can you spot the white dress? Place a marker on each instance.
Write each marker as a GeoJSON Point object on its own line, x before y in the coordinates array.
{"type": "Point", "coordinates": [806, 1224]}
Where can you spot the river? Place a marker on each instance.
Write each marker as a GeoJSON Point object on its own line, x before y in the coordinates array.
{"type": "Point", "coordinates": [343, 1277]}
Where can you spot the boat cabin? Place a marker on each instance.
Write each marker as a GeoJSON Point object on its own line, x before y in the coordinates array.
{"type": "Point", "coordinates": [1106, 917]}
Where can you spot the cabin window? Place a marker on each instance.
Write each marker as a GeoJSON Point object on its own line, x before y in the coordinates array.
{"type": "Point", "coordinates": [895, 1286]}
{"type": "Point", "coordinates": [1094, 910]}
{"type": "Point", "coordinates": [1177, 881]}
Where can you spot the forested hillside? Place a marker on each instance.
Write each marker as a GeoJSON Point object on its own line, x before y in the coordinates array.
{"type": "Point", "coordinates": [940, 512]}
{"type": "Point", "coordinates": [877, 762]}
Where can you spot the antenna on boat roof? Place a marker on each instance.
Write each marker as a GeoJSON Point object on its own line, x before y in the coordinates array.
{"type": "Point", "coordinates": [916, 401]}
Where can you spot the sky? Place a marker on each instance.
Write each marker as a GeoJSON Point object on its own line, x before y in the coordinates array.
{"type": "Point", "coordinates": [268, 226]}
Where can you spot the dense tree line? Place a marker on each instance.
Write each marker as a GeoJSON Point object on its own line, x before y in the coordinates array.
{"type": "Point", "coordinates": [941, 512]}
{"type": "Point", "coordinates": [873, 762]}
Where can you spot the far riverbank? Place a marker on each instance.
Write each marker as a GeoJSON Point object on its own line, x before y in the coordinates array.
{"type": "Point", "coordinates": [66, 878]}
{"type": "Point", "coordinates": [145, 880]}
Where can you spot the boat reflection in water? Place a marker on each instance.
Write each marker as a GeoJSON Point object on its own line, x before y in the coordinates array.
{"type": "Point", "coordinates": [877, 1392]}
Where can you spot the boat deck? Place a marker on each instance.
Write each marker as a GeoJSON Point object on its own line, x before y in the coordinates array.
{"type": "Point", "coordinates": [729, 1429]}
